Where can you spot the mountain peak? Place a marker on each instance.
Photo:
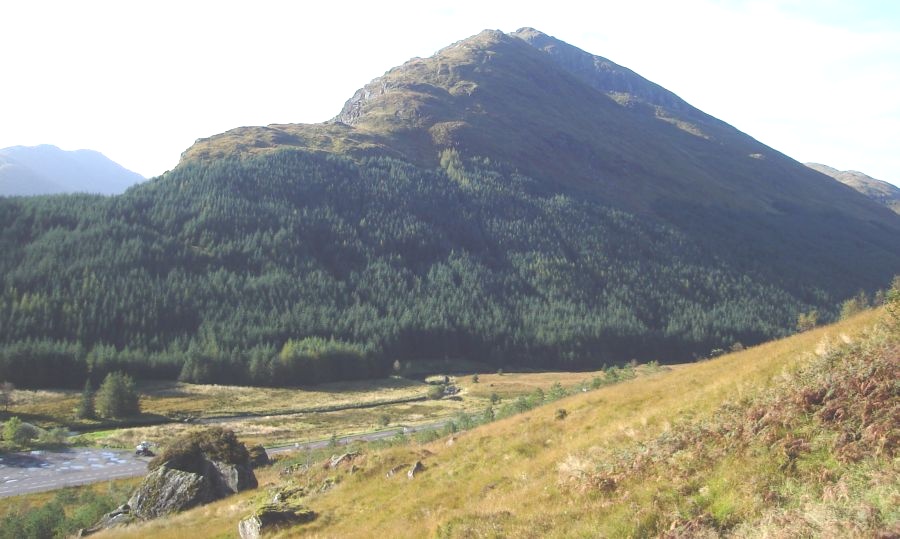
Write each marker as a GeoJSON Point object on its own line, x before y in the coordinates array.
{"type": "Point", "coordinates": [878, 190]}
{"type": "Point", "coordinates": [46, 169]}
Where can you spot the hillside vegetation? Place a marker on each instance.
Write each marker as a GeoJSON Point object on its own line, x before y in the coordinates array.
{"type": "Point", "coordinates": [796, 437]}
{"type": "Point", "coordinates": [497, 202]}
{"type": "Point", "coordinates": [294, 268]}
{"type": "Point", "coordinates": [878, 190]}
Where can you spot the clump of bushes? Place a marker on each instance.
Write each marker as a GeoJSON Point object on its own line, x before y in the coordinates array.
{"type": "Point", "coordinates": [189, 452]}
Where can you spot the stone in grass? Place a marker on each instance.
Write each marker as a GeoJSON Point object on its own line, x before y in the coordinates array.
{"type": "Point", "coordinates": [273, 516]}
{"type": "Point", "coordinates": [416, 468]}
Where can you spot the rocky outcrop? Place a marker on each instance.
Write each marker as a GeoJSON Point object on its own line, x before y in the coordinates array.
{"type": "Point", "coordinates": [120, 516]}
{"type": "Point", "coordinates": [285, 509]}
{"type": "Point", "coordinates": [168, 490]}
{"type": "Point", "coordinates": [196, 470]}
{"type": "Point", "coordinates": [272, 516]}
{"type": "Point", "coordinates": [416, 468]}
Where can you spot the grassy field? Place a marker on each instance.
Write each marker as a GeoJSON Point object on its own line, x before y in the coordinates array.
{"type": "Point", "coordinates": [287, 415]}
{"type": "Point", "coordinates": [513, 477]}
{"type": "Point", "coordinates": [289, 428]}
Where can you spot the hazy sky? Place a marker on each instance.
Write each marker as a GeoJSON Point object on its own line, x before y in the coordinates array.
{"type": "Point", "coordinates": [141, 80]}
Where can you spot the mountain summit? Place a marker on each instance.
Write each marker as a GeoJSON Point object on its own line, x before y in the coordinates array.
{"type": "Point", "coordinates": [576, 121]}
{"type": "Point", "coordinates": [511, 199]}
{"type": "Point", "coordinates": [559, 114]}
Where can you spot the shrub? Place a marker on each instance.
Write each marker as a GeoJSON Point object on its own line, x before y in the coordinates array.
{"type": "Point", "coordinates": [807, 321]}
{"type": "Point", "coordinates": [17, 433]}
{"type": "Point", "coordinates": [188, 452]}
{"type": "Point", "coordinates": [557, 391]}
{"type": "Point", "coordinates": [435, 392]}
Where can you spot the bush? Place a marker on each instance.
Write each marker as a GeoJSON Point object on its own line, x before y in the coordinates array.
{"type": "Point", "coordinates": [807, 321]}
{"type": "Point", "coordinates": [18, 433]}
{"type": "Point", "coordinates": [188, 452]}
{"type": "Point", "coordinates": [557, 391]}
{"type": "Point", "coordinates": [435, 392]}
{"type": "Point", "coordinates": [892, 300]}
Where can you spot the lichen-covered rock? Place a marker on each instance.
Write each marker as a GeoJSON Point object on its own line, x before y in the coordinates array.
{"type": "Point", "coordinates": [120, 516]}
{"type": "Point", "coordinates": [167, 490]}
{"type": "Point", "coordinates": [228, 479]}
{"type": "Point", "coordinates": [194, 470]}
{"type": "Point", "coordinates": [272, 516]}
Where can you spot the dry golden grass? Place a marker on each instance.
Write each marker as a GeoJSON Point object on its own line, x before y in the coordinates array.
{"type": "Point", "coordinates": [179, 399]}
{"type": "Point", "coordinates": [502, 479]}
{"type": "Point", "coordinates": [517, 383]}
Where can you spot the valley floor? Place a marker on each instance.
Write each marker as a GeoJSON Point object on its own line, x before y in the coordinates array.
{"type": "Point", "coordinates": [678, 453]}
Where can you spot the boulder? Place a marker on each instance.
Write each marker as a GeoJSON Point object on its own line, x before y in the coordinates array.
{"type": "Point", "coordinates": [338, 459]}
{"type": "Point", "coordinates": [272, 516]}
{"type": "Point", "coordinates": [167, 490]}
{"type": "Point", "coordinates": [118, 517]}
{"type": "Point", "coordinates": [229, 479]}
{"type": "Point", "coordinates": [416, 468]}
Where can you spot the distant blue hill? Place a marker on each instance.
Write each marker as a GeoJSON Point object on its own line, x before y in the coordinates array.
{"type": "Point", "coordinates": [46, 169]}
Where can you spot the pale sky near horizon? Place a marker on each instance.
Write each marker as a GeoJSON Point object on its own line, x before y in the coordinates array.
{"type": "Point", "coordinates": [140, 81]}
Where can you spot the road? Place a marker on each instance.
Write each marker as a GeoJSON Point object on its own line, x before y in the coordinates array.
{"type": "Point", "coordinates": [38, 471]}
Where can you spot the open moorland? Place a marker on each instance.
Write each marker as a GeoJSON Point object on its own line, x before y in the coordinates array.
{"type": "Point", "coordinates": [273, 416]}
{"type": "Point", "coordinates": [726, 452]}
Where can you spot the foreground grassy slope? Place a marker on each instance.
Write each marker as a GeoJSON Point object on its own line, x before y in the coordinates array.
{"type": "Point", "coordinates": [537, 475]}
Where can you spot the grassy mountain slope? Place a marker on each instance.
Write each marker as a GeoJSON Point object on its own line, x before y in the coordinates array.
{"type": "Point", "coordinates": [498, 201]}
{"type": "Point", "coordinates": [878, 190]}
{"type": "Point", "coordinates": [796, 437]}
{"type": "Point", "coordinates": [577, 122]}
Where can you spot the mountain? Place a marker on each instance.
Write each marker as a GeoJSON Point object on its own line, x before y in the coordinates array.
{"type": "Point", "coordinates": [878, 190]}
{"type": "Point", "coordinates": [511, 200]}
{"type": "Point", "coordinates": [45, 170]}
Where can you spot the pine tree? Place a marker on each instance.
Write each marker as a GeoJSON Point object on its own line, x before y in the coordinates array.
{"type": "Point", "coordinates": [86, 408]}
{"type": "Point", "coordinates": [117, 396]}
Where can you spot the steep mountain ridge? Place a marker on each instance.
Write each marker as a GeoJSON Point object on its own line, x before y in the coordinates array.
{"type": "Point", "coordinates": [491, 202]}
{"type": "Point", "coordinates": [532, 106]}
{"type": "Point", "coordinates": [878, 190]}
{"type": "Point", "coordinates": [580, 124]}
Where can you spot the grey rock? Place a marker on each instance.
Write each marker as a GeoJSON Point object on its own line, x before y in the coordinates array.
{"type": "Point", "coordinates": [166, 490]}
{"type": "Point", "coordinates": [116, 518]}
{"type": "Point", "coordinates": [228, 479]}
{"type": "Point", "coordinates": [416, 468]}
{"type": "Point", "coordinates": [272, 516]}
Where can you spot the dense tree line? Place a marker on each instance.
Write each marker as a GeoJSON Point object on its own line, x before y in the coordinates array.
{"type": "Point", "coordinates": [298, 268]}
